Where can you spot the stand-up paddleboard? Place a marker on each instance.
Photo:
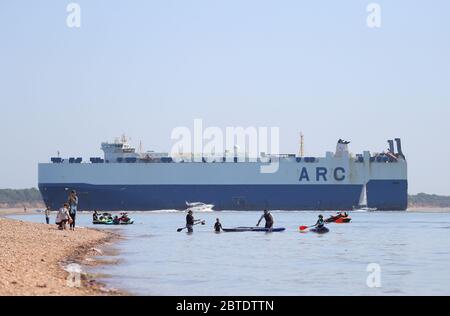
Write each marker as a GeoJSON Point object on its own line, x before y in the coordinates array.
{"type": "Point", "coordinates": [253, 229]}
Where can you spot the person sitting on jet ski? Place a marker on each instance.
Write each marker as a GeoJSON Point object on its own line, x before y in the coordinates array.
{"type": "Point", "coordinates": [95, 216]}
{"type": "Point", "coordinates": [124, 217]}
{"type": "Point", "coordinates": [341, 215]}
{"type": "Point", "coordinates": [268, 218]}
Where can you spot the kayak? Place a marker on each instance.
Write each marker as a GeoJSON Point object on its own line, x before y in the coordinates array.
{"type": "Point", "coordinates": [322, 230]}
{"type": "Point", "coordinates": [253, 229]}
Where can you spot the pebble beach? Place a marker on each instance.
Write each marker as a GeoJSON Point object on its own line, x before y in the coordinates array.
{"type": "Point", "coordinates": [33, 257]}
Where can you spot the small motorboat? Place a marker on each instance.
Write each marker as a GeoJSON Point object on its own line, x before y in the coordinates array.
{"type": "Point", "coordinates": [199, 207]}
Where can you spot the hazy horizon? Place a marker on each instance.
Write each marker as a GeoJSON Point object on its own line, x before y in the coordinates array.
{"type": "Point", "coordinates": [145, 67]}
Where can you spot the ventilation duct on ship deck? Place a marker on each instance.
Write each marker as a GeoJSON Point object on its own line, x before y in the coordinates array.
{"type": "Point", "coordinates": [391, 146]}
{"type": "Point", "coordinates": [399, 147]}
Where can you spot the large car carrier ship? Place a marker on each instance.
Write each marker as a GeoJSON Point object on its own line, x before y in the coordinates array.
{"type": "Point", "coordinates": [127, 180]}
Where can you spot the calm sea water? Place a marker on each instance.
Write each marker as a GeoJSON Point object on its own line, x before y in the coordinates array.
{"type": "Point", "coordinates": [412, 250]}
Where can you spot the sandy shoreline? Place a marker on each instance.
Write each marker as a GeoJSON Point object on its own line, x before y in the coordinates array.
{"type": "Point", "coordinates": [16, 211]}
{"type": "Point", "coordinates": [33, 256]}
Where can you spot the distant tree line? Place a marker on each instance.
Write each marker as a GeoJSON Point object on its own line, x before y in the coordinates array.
{"type": "Point", "coordinates": [428, 200]}
{"type": "Point", "coordinates": [11, 197]}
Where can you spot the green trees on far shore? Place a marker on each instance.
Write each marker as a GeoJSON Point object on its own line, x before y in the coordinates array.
{"type": "Point", "coordinates": [428, 200]}
{"type": "Point", "coordinates": [12, 197]}
{"type": "Point", "coordinates": [18, 197]}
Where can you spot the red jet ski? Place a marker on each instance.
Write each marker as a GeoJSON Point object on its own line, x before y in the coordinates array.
{"type": "Point", "coordinates": [339, 218]}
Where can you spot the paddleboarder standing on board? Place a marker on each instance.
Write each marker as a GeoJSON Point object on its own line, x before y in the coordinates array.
{"type": "Point", "coordinates": [268, 218]}
{"type": "Point", "coordinates": [190, 221]}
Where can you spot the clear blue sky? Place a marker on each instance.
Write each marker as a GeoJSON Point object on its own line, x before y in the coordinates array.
{"type": "Point", "coordinates": [145, 67]}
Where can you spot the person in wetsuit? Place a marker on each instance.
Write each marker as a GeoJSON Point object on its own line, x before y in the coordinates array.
{"type": "Point", "coordinates": [268, 218]}
{"type": "Point", "coordinates": [320, 223]}
{"type": "Point", "coordinates": [217, 226]}
{"type": "Point", "coordinates": [190, 221]}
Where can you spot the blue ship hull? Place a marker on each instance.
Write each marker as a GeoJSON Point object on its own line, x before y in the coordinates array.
{"type": "Point", "coordinates": [387, 194]}
{"type": "Point", "coordinates": [381, 194]}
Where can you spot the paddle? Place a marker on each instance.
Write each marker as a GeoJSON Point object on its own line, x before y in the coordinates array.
{"type": "Point", "coordinates": [200, 222]}
{"type": "Point", "coordinates": [306, 227]}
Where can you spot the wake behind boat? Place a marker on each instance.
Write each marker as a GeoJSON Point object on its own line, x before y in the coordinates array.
{"type": "Point", "coordinates": [365, 209]}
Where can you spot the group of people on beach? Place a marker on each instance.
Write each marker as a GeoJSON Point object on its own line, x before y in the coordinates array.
{"type": "Point", "coordinates": [66, 214]}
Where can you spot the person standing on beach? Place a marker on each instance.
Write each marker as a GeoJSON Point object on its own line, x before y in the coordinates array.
{"type": "Point", "coordinates": [47, 215]}
{"type": "Point", "coordinates": [73, 205]}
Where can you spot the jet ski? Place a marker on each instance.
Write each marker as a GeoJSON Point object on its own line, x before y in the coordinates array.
{"type": "Point", "coordinates": [339, 218]}
{"type": "Point", "coordinates": [123, 219]}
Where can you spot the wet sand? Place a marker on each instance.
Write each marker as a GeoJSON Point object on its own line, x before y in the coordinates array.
{"type": "Point", "coordinates": [33, 257]}
{"type": "Point", "coordinates": [17, 210]}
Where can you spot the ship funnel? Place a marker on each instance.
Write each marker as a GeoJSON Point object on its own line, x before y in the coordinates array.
{"type": "Point", "coordinates": [391, 146]}
{"type": "Point", "coordinates": [399, 147]}
{"type": "Point", "coordinates": [341, 148]}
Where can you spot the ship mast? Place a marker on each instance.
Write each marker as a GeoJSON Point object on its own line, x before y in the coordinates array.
{"type": "Point", "coordinates": [301, 145]}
